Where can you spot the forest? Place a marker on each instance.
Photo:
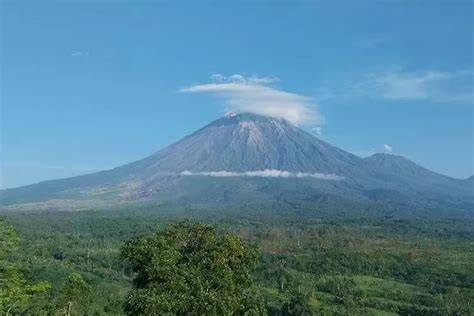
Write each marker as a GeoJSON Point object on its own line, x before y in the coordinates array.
{"type": "Point", "coordinates": [130, 261]}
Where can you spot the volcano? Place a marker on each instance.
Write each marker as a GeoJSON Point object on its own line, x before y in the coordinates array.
{"type": "Point", "coordinates": [248, 159]}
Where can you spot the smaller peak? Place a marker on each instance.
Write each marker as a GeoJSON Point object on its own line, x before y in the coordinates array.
{"type": "Point", "coordinates": [376, 156]}
{"type": "Point", "coordinates": [392, 160]}
{"type": "Point", "coordinates": [388, 158]}
{"type": "Point", "coordinates": [385, 155]}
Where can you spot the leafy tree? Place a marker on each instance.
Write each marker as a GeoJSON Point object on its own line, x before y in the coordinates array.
{"type": "Point", "coordinates": [74, 295]}
{"type": "Point", "coordinates": [191, 269]}
{"type": "Point", "coordinates": [15, 292]}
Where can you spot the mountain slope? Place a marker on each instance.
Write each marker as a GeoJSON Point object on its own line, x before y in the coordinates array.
{"type": "Point", "coordinates": [218, 163]}
{"type": "Point", "coordinates": [399, 170]}
{"type": "Point", "coordinates": [238, 143]}
{"type": "Point", "coordinates": [251, 142]}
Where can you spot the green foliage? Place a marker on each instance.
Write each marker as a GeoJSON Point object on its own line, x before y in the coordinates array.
{"type": "Point", "coordinates": [15, 292]}
{"type": "Point", "coordinates": [328, 264]}
{"type": "Point", "coordinates": [343, 288]}
{"type": "Point", "coordinates": [9, 240]}
{"type": "Point", "coordinates": [298, 305]}
{"type": "Point", "coordinates": [74, 296]}
{"type": "Point", "coordinates": [189, 269]}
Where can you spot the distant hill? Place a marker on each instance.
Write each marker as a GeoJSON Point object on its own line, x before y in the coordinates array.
{"type": "Point", "coordinates": [403, 172]}
{"type": "Point", "coordinates": [251, 160]}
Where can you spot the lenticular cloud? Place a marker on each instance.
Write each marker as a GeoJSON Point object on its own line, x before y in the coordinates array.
{"type": "Point", "coordinates": [267, 173]}
{"type": "Point", "coordinates": [255, 95]}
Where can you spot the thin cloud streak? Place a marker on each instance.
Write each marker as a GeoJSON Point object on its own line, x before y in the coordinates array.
{"type": "Point", "coordinates": [430, 85]}
{"type": "Point", "coordinates": [387, 148]}
{"type": "Point", "coordinates": [267, 173]}
{"type": "Point", "coordinates": [79, 54]}
{"type": "Point", "coordinates": [253, 94]}
{"type": "Point", "coordinates": [364, 153]}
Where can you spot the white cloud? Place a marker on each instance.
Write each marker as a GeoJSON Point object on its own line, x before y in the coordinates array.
{"type": "Point", "coordinates": [387, 148]}
{"type": "Point", "coordinates": [430, 85]}
{"type": "Point", "coordinates": [364, 153]}
{"type": "Point", "coordinates": [79, 54]}
{"type": "Point", "coordinates": [253, 94]}
{"type": "Point", "coordinates": [317, 130]}
{"type": "Point", "coordinates": [267, 173]}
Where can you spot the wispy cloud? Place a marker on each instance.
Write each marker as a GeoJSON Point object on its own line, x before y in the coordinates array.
{"type": "Point", "coordinates": [267, 173]}
{"type": "Point", "coordinates": [387, 148]}
{"type": "Point", "coordinates": [255, 95]}
{"type": "Point", "coordinates": [317, 130]}
{"type": "Point", "coordinates": [79, 54]}
{"type": "Point", "coordinates": [364, 153]}
{"type": "Point", "coordinates": [429, 85]}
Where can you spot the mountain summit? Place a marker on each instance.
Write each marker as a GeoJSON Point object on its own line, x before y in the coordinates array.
{"type": "Point", "coordinates": [246, 159]}
{"type": "Point", "coordinates": [248, 142]}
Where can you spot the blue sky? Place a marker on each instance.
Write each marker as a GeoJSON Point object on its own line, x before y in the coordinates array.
{"type": "Point", "coordinates": [95, 84]}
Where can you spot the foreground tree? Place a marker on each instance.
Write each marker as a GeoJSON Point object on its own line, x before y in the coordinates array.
{"type": "Point", "coordinates": [191, 269]}
{"type": "Point", "coordinates": [16, 293]}
{"type": "Point", "coordinates": [74, 296]}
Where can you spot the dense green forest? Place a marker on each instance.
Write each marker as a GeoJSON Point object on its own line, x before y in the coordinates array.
{"type": "Point", "coordinates": [78, 263]}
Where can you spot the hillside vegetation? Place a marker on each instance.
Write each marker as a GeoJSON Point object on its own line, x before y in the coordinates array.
{"type": "Point", "coordinates": [71, 262]}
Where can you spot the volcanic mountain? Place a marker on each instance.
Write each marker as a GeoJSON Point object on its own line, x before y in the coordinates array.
{"type": "Point", "coordinates": [252, 160]}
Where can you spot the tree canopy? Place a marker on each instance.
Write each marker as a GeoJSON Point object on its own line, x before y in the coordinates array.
{"type": "Point", "coordinates": [15, 292]}
{"type": "Point", "coordinates": [74, 295]}
{"type": "Point", "coordinates": [192, 269]}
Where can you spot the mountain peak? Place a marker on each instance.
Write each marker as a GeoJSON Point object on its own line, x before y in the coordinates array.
{"type": "Point", "coordinates": [401, 166]}
{"type": "Point", "coordinates": [251, 116]}
{"type": "Point", "coordinates": [395, 162]}
{"type": "Point", "coordinates": [388, 157]}
{"type": "Point", "coordinates": [250, 121]}
{"type": "Point", "coordinates": [246, 142]}
{"type": "Point", "coordinates": [230, 114]}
